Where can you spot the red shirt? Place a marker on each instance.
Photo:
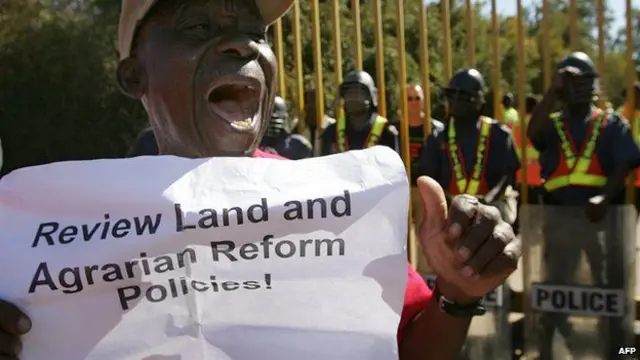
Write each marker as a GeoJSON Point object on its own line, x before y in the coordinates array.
{"type": "Point", "coordinates": [417, 294]}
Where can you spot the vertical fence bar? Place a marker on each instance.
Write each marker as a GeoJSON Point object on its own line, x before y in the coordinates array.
{"type": "Point", "coordinates": [631, 79]}
{"type": "Point", "coordinates": [573, 25]}
{"type": "Point", "coordinates": [546, 52]}
{"type": "Point", "coordinates": [600, 9]}
{"type": "Point", "coordinates": [337, 52]}
{"type": "Point", "coordinates": [297, 59]}
{"type": "Point", "coordinates": [355, 13]}
{"type": "Point", "coordinates": [404, 122]}
{"type": "Point", "coordinates": [495, 63]}
{"type": "Point", "coordinates": [279, 48]}
{"type": "Point", "coordinates": [382, 99]}
{"type": "Point", "coordinates": [317, 64]}
{"type": "Point", "coordinates": [521, 102]}
{"type": "Point", "coordinates": [471, 46]}
{"type": "Point", "coordinates": [425, 68]}
{"type": "Point", "coordinates": [446, 33]}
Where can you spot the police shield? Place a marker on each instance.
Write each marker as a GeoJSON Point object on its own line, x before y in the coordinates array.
{"type": "Point", "coordinates": [489, 335]}
{"type": "Point", "coordinates": [578, 282]}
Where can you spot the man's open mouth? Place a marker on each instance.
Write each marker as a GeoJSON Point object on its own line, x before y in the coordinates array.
{"type": "Point", "coordinates": [237, 101]}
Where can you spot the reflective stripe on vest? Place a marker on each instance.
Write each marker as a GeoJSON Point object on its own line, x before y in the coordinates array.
{"type": "Point", "coordinates": [465, 184]}
{"type": "Point", "coordinates": [372, 139]}
{"type": "Point", "coordinates": [578, 164]}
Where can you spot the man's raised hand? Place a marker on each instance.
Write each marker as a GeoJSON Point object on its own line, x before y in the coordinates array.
{"type": "Point", "coordinates": [13, 324]}
{"type": "Point", "coordinates": [469, 247]}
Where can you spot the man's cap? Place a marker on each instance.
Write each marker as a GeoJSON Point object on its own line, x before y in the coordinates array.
{"type": "Point", "coordinates": [134, 11]}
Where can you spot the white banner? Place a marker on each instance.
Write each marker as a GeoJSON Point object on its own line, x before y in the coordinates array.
{"type": "Point", "coordinates": [232, 258]}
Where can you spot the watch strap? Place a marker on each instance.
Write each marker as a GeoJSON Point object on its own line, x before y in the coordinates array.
{"type": "Point", "coordinates": [458, 310]}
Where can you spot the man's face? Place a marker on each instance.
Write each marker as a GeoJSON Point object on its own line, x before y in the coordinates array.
{"type": "Point", "coordinates": [415, 105]}
{"type": "Point", "coordinates": [356, 100]}
{"type": "Point", "coordinates": [461, 104]}
{"type": "Point", "coordinates": [578, 90]}
{"type": "Point", "coordinates": [207, 76]}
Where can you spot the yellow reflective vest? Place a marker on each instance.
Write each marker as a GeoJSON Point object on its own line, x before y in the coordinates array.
{"type": "Point", "coordinates": [577, 168]}
{"type": "Point", "coordinates": [379, 124]}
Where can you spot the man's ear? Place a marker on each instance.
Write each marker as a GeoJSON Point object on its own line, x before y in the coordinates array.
{"type": "Point", "coordinates": [132, 78]}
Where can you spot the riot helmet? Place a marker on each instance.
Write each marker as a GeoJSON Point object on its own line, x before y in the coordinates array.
{"type": "Point", "coordinates": [508, 100]}
{"type": "Point", "coordinates": [465, 94]}
{"type": "Point", "coordinates": [359, 93]}
{"type": "Point", "coordinates": [277, 126]}
{"type": "Point", "coordinates": [580, 83]}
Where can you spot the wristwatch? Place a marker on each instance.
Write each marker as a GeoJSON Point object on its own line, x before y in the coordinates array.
{"type": "Point", "coordinates": [452, 308]}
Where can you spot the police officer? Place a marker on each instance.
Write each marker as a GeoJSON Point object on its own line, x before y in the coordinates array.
{"type": "Point", "coordinates": [510, 116]}
{"type": "Point", "coordinates": [362, 126]}
{"type": "Point", "coordinates": [585, 155]}
{"type": "Point", "coordinates": [278, 138]}
{"type": "Point", "coordinates": [472, 154]}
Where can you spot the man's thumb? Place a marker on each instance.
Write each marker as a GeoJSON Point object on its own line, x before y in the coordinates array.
{"type": "Point", "coordinates": [434, 204]}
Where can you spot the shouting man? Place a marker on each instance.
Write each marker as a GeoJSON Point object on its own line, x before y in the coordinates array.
{"type": "Point", "coordinates": [205, 73]}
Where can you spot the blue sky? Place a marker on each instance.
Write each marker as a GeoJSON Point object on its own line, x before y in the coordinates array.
{"type": "Point", "coordinates": [508, 7]}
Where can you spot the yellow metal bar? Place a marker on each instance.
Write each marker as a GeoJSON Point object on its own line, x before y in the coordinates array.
{"type": "Point", "coordinates": [297, 59]}
{"type": "Point", "coordinates": [382, 101]}
{"type": "Point", "coordinates": [355, 12]}
{"type": "Point", "coordinates": [600, 9]}
{"type": "Point", "coordinates": [446, 32]}
{"type": "Point", "coordinates": [546, 51]}
{"type": "Point", "coordinates": [521, 102]}
{"type": "Point", "coordinates": [404, 123]}
{"type": "Point", "coordinates": [337, 51]}
{"type": "Point", "coordinates": [471, 46]}
{"type": "Point", "coordinates": [631, 78]}
{"type": "Point", "coordinates": [425, 68]}
{"type": "Point", "coordinates": [495, 63]}
{"type": "Point", "coordinates": [317, 64]}
{"type": "Point", "coordinates": [573, 25]}
{"type": "Point", "coordinates": [279, 48]}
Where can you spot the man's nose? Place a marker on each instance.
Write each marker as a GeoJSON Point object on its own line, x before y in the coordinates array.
{"type": "Point", "coordinates": [241, 47]}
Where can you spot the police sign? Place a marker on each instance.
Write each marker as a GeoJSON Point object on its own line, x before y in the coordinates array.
{"type": "Point", "coordinates": [492, 299]}
{"type": "Point", "coordinates": [586, 301]}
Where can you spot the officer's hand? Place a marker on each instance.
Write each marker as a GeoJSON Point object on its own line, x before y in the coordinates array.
{"type": "Point", "coordinates": [13, 324]}
{"type": "Point", "coordinates": [596, 208]}
{"type": "Point", "coordinates": [471, 249]}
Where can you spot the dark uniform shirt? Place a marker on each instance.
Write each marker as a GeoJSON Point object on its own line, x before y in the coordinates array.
{"type": "Point", "coordinates": [615, 147]}
{"type": "Point", "coordinates": [502, 159]}
{"type": "Point", "coordinates": [356, 138]}
{"type": "Point", "coordinates": [416, 143]}
{"type": "Point", "coordinates": [145, 144]}
{"type": "Point", "coordinates": [294, 147]}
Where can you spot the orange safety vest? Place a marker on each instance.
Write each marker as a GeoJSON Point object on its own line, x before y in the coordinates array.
{"type": "Point", "coordinates": [461, 183]}
{"type": "Point", "coordinates": [578, 169]}
{"type": "Point", "coordinates": [532, 163]}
